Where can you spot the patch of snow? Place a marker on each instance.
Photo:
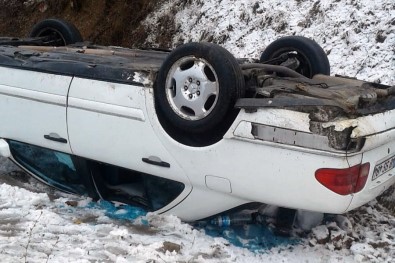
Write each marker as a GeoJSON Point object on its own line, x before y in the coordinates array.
{"type": "Point", "coordinates": [6, 166]}
{"type": "Point", "coordinates": [306, 220]}
{"type": "Point", "coordinates": [344, 223]}
{"type": "Point", "coordinates": [36, 228]}
{"type": "Point", "coordinates": [320, 233]}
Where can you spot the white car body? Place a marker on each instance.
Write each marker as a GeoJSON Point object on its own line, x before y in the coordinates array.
{"type": "Point", "coordinates": [116, 123]}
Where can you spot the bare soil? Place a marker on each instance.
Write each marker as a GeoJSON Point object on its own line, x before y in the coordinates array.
{"type": "Point", "coordinates": [106, 22]}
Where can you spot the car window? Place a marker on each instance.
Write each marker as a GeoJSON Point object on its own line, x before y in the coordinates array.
{"type": "Point", "coordinates": [113, 183]}
{"type": "Point", "coordinates": [54, 168]}
{"type": "Point", "coordinates": [134, 188]}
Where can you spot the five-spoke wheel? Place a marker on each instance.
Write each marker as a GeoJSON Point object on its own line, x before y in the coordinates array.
{"type": "Point", "coordinates": [193, 88]}
{"type": "Point", "coordinates": [197, 87]}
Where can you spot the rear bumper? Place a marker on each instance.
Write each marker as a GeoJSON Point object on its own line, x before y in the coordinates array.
{"type": "Point", "coordinates": [378, 149]}
{"type": "Point", "coordinates": [282, 172]}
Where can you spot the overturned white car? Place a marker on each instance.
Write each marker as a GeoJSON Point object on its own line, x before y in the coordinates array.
{"type": "Point", "coordinates": [194, 132]}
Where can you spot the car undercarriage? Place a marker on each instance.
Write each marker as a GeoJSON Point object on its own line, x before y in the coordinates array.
{"type": "Point", "coordinates": [325, 98]}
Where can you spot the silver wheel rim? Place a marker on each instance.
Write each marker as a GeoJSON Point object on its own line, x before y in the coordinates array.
{"type": "Point", "coordinates": [192, 88]}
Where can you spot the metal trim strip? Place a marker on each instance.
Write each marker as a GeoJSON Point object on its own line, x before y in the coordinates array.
{"type": "Point", "coordinates": [33, 95]}
{"type": "Point", "coordinates": [108, 109]}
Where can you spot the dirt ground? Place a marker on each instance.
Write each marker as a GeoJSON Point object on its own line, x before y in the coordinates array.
{"type": "Point", "coordinates": [107, 22]}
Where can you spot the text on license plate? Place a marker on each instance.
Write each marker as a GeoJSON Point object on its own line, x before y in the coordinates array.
{"type": "Point", "coordinates": [383, 167]}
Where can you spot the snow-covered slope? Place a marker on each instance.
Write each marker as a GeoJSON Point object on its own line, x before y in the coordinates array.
{"type": "Point", "coordinates": [358, 35]}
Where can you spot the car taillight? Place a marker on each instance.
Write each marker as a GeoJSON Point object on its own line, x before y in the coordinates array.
{"type": "Point", "coordinates": [344, 181]}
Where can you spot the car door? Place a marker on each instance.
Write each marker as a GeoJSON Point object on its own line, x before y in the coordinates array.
{"type": "Point", "coordinates": [33, 108]}
{"type": "Point", "coordinates": [107, 122]}
{"type": "Point", "coordinates": [81, 176]}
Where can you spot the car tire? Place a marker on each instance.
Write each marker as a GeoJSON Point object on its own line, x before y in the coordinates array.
{"type": "Point", "coordinates": [64, 32]}
{"type": "Point", "coordinates": [312, 58]}
{"type": "Point", "coordinates": [197, 87]}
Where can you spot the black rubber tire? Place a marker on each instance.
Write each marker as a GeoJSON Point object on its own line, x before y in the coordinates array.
{"type": "Point", "coordinates": [313, 59]}
{"type": "Point", "coordinates": [66, 31]}
{"type": "Point", "coordinates": [230, 82]}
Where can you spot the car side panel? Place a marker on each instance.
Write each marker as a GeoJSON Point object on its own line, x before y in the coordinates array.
{"type": "Point", "coordinates": [33, 104]}
{"type": "Point", "coordinates": [203, 202]}
{"type": "Point", "coordinates": [258, 171]}
{"type": "Point", "coordinates": [107, 123]}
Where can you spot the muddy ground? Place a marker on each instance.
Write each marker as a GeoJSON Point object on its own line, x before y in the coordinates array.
{"type": "Point", "coordinates": [107, 22]}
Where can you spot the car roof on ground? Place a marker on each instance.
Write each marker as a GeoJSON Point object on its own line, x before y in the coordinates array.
{"type": "Point", "coordinates": [96, 62]}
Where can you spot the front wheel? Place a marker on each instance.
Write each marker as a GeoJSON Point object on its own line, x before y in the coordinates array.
{"type": "Point", "coordinates": [197, 87]}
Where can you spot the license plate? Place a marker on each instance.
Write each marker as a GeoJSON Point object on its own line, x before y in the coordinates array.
{"type": "Point", "coordinates": [383, 167]}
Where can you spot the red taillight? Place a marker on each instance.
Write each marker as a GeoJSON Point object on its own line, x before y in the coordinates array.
{"type": "Point", "coordinates": [344, 181]}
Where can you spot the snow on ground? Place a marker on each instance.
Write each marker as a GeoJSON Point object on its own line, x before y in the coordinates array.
{"type": "Point", "coordinates": [55, 227]}
{"type": "Point", "coordinates": [40, 225]}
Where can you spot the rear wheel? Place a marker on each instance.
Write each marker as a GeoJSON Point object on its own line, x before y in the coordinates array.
{"type": "Point", "coordinates": [309, 57]}
{"type": "Point", "coordinates": [197, 87]}
{"type": "Point", "coordinates": [57, 32]}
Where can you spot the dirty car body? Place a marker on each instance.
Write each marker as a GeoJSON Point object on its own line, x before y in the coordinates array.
{"type": "Point", "coordinates": [85, 119]}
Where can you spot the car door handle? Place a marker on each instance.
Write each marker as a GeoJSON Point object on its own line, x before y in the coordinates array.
{"type": "Point", "coordinates": [156, 161]}
{"type": "Point", "coordinates": [55, 137]}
